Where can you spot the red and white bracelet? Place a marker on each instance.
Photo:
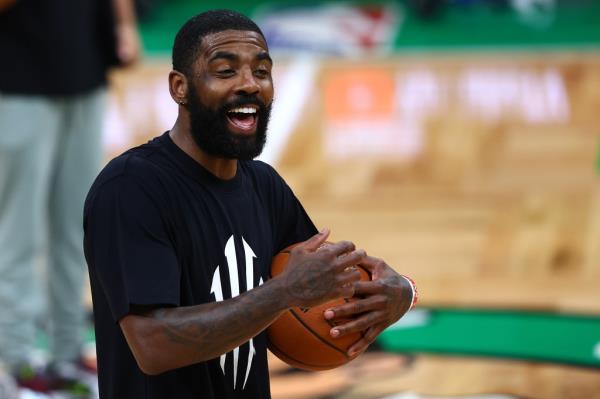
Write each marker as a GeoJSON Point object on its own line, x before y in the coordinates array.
{"type": "Point", "coordinates": [415, 293]}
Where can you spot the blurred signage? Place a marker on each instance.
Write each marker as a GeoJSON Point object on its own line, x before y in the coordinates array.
{"type": "Point", "coordinates": [532, 96]}
{"type": "Point", "coordinates": [382, 111]}
{"type": "Point", "coordinates": [332, 29]}
{"type": "Point", "coordinates": [361, 118]}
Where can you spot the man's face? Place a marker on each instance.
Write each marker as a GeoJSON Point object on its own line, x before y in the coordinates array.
{"type": "Point", "coordinates": [230, 94]}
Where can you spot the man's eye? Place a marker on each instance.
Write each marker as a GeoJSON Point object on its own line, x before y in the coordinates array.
{"type": "Point", "coordinates": [262, 72]}
{"type": "Point", "coordinates": [226, 72]}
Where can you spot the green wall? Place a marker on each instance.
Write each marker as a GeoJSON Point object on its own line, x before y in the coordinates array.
{"type": "Point", "coordinates": [573, 24]}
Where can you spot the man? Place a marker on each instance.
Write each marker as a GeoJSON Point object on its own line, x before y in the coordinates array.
{"type": "Point", "coordinates": [180, 233]}
{"type": "Point", "coordinates": [55, 56]}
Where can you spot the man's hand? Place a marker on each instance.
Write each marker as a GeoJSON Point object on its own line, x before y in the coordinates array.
{"type": "Point", "coordinates": [128, 44]}
{"type": "Point", "coordinates": [385, 300]}
{"type": "Point", "coordinates": [317, 273]}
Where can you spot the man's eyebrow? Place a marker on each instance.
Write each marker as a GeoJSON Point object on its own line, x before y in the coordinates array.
{"type": "Point", "coordinates": [264, 56]}
{"type": "Point", "coordinates": [227, 55]}
{"type": "Point", "coordinates": [223, 55]}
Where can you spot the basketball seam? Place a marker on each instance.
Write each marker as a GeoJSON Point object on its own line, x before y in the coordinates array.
{"type": "Point", "coordinates": [314, 333]}
{"type": "Point", "coordinates": [274, 348]}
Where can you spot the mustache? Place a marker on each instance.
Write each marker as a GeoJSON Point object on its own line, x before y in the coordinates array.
{"type": "Point", "coordinates": [245, 99]}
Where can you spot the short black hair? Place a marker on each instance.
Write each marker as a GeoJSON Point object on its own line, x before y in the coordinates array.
{"type": "Point", "coordinates": [189, 38]}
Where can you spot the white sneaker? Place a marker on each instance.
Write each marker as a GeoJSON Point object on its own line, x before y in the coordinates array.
{"type": "Point", "coordinates": [28, 394]}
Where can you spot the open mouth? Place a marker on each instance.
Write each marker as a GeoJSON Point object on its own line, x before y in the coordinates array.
{"type": "Point", "coordinates": [243, 119]}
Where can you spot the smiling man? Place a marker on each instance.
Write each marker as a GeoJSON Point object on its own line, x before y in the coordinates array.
{"type": "Point", "coordinates": [180, 233]}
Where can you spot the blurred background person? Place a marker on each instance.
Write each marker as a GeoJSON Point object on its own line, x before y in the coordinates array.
{"type": "Point", "coordinates": [55, 56]}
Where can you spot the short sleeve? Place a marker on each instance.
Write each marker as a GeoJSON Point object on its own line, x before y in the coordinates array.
{"type": "Point", "coordinates": [291, 222]}
{"type": "Point", "coordinates": [127, 247]}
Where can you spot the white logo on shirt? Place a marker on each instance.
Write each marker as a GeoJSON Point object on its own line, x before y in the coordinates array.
{"type": "Point", "coordinates": [217, 289]}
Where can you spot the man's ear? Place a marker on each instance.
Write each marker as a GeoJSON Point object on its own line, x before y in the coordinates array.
{"type": "Point", "coordinates": [178, 87]}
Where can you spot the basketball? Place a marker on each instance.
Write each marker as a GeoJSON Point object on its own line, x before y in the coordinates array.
{"type": "Point", "coordinates": [300, 337]}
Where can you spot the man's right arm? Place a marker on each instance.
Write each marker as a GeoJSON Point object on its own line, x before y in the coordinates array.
{"type": "Point", "coordinates": [163, 339]}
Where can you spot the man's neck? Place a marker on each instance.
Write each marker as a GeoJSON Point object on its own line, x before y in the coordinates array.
{"type": "Point", "coordinates": [223, 168]}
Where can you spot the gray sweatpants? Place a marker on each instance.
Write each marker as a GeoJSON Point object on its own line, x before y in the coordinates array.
{"type": "Point", "coordinates": [50, 152]}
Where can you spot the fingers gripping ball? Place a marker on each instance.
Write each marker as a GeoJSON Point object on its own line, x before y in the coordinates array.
{"type": "Point", "coordinates": [300, 337]}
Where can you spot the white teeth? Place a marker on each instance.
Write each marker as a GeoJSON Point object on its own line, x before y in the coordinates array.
{"type": "Point", "coordinates": [244, 110]}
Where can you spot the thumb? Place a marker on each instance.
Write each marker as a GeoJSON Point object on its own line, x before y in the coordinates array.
{"type": "Point", "coordinates": [313, 243]}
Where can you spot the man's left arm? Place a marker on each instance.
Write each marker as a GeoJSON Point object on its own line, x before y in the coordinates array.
{"type": "Point", "coordinates": [385, 299]}
{"type": "Point", "coordinates": [128, 39]}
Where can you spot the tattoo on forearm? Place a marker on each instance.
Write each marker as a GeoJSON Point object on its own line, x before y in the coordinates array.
{"type": "Point", "coordinates": [229, 324]}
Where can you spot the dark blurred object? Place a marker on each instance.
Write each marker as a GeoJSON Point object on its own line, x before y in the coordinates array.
{"type": "Point", "coordinates": [428, 9]}
{"type": "Point", "coordinates": [500, 4]}
{"type": "Point", "coordinates": [5, 4]}
{"type": "Point", "coordinates": [46, 65]}
{"type": "Point", "coordinates": [145, 8]}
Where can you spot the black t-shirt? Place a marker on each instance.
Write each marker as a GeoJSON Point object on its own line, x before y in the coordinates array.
{"type": "Point", "coordinates": [162, 230]}
{"type": "Point", "coordinates": [56, 47]}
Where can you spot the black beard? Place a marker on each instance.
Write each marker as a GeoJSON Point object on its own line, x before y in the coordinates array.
{"type": "Point", "coordinates": [210, 132]}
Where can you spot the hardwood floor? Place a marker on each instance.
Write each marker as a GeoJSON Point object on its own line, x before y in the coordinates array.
{"type": "Point", "coordinates": [377, 375]}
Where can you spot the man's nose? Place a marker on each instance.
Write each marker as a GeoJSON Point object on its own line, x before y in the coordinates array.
{"type": "Point", "coordinates": [247, 82]}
